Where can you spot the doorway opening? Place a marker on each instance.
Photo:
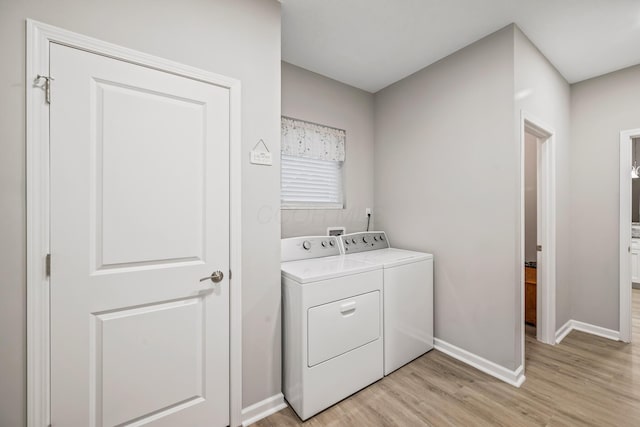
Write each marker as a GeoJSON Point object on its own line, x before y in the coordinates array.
{"type": "Point", "coordinates": [538, 230]}
{"type": "Point", "coordinates": [629, 227]}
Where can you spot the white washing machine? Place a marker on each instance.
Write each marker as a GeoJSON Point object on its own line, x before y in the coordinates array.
{"type": "Point", "coordinates": [407, 291]}
{"type": "Point", "coordinates": [332, 324]}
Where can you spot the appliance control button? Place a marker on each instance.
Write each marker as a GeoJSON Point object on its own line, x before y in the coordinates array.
{"type": "Point", "coordinates": [346, 241]}
{"type": "Point", "coordinates": [332, 243]}
{"type": "Point", "coordinates": [324, 244]}
{"type": "Point", "coordinates": [353, 241]}
{"type": "Point", "coordinates": [375, 238]}
{"type": "Point", "coordinates": [306, 245]}
{"type": "Point", "coordinates": [382, 237]}
{"type": "Point", "coordinates": [364, 239]}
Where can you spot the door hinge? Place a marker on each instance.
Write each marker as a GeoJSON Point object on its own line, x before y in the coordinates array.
{"type": "Point", "coordinates": [47, 265]}
{"type": "Point", "coordinates": [229, 274]}
{"type": "Point", "coordinates": [46, 86]}
{"type": "Point", "coordinates": [539, 248]}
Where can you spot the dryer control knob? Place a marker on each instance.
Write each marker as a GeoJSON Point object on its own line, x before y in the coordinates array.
{"type": "Point", "coordinates": [353, 241]}
{"type": "Point", "coordinates": [365, 240]}
{"type": "Point", "coordinates": [306, 245]}
{"type": "Point", "coordinates": [332, 243]}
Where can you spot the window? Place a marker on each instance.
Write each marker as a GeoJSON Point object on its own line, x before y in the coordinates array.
{"type": "Point", "coordinates": [312, 164]}
{"type": "Point", "coordinates": [311, 183]}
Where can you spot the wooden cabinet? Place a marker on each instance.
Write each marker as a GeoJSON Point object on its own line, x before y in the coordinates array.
{"type": "Point", "coordinates": [530, 295]}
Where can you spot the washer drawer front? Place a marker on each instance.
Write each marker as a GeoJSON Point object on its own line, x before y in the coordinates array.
{"type": "Point", "coordinates": [341, 326]}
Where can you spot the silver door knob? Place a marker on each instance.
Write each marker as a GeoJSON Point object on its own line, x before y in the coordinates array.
{"type": "Point", "coordinates": [215, 277]}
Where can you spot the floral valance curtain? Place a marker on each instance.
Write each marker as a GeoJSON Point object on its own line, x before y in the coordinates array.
{"type": "Point", "coordinates": [313, 141]}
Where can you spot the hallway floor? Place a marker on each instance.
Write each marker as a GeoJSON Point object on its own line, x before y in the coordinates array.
{"type": "Point", "coordinates": [584, 381]}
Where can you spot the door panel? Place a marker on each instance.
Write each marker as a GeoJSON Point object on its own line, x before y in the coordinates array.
{"type": "Point", "coordinates": [139, 213]}
{"type": "Point", "coordinates": [541, 225]}
{"type": "Point", "coordinates": [131, 350]}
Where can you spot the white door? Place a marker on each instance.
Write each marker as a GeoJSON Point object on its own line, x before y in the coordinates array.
{"type": "Point", "coordinates": [139, 213]}
{"type": "Point", "coordinates": [635, 264]}
{"type": "Point", "coordinates": [540, 227]}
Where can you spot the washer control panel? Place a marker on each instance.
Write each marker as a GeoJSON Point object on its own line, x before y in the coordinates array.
{"type": "Point", "coordinates": [364, 241]}
{"type": "Point", "coordinates": [307, 247]}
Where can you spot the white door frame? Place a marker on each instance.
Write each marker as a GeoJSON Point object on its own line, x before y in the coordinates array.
{"type": "Point", "coordinates": [546, 286]}
{"type": "Point", "coordinates": [626, 139]}
{"type": "Point", "coordinates": [39, 36]}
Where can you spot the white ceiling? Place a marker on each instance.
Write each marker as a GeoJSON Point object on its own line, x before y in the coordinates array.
{"type": "Point", "coordinates": [370, 44]}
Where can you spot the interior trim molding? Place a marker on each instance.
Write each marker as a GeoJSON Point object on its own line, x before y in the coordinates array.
{"type": "Point", "coordinates": [515, 378]}
{"type": "Point", "coordinates": [564, 331]}
{"type": "Point", "coordinates": [576, 325]}
{"type": "Point", "coordinates": [38, 38]}
{"type": "Point", "coordinates": [264, 408]}
{"type": "Point", "coordinates": [596, 330]}
{"type": "Point", "coordinates": [624, 251]}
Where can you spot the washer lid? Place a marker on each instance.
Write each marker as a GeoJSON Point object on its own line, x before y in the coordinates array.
{"type": "Point", "coordinates": [313, 270]}
{"type": "Point", "coordinates": [390, 257]}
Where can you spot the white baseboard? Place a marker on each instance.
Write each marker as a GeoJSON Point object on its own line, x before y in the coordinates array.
{"type": "Point", "coordinates": [564, 331]}
{"type": "Point", "coordinates": [515, 378]}
{"type": "Point", "coordinates": [263, 409]}
{"type": "Point", "coordinates": [576, 325]}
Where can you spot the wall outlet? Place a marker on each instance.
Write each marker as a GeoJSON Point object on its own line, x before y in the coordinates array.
{"type": "Point", "coordinates": [368, 211]}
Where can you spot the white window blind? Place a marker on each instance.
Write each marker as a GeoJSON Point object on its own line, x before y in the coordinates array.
{"type": "Point", "coordinates": [312, 159]}
{"type": "Point", "coordinates": [311, 183]}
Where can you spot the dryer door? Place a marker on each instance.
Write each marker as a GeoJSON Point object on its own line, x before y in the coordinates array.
{"type": "Point", "coordinates": [341, 326]}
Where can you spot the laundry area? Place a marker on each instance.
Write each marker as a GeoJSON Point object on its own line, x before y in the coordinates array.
{"type": "Point", "coordinates": [298, 212]}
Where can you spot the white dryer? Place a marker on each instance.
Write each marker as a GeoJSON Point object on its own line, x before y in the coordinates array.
{"type": "Point", "coordinates": [408, 295]}
{"type": "Point", "coordinates": [332, 324]}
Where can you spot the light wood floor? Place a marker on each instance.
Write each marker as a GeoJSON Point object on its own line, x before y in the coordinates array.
{"type": "Point", "coordinates": [584, 381]}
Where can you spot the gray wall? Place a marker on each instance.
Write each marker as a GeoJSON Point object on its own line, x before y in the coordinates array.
{"type": "Point", "coordinates": [310, 96]}
{"type": "Point", "coordinates": [600, 109]}
{"type": "Point", "coordinates": [541, 91]}
{"type": "Point", "coordinates": [238, 38]}
{"type": "Point", "coordinates": [446, 173]}
{"type": "Point", "coordinates": [530, 197]}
